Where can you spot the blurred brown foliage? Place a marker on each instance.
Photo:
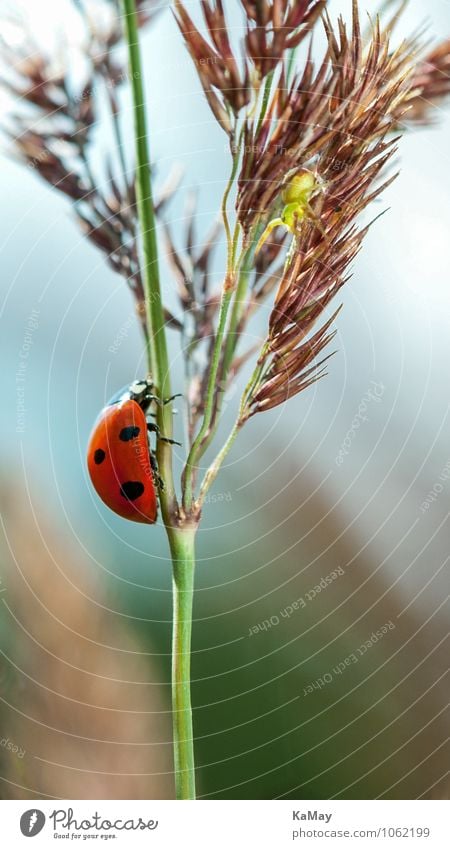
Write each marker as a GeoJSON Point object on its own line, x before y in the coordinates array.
{"type": "Point", "coordinates": [77, 694]}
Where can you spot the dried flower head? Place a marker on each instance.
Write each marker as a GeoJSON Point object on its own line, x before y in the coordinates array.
{"type": "Point", "coordinates": [226, 85]}
{"type": "Point", "coordinates": [54, 133]}
{"type": "Point", "coordinates": [310, 149]}
{"type": "Point", "coordinates": [275, 27]}
{"type": "Point", "coordinates": [328, 113]}
{"type": "Point", "coordinates": [365, 91]}
{"type": "Point", "coordinates": [272, 29]}
{"type": "Point", "coordinates": [430, 85]}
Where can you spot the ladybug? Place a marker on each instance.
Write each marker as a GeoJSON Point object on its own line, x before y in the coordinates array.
{"type": "Point", "coordinates": [120, 462]}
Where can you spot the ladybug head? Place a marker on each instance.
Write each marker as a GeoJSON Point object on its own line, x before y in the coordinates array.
{"type": "Point", "coordinates": [140, 386]}
{"type": "Point", "coordinates": [141, 391]}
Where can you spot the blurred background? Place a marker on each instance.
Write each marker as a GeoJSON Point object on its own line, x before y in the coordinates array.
{"type": "Point", "coordinates": [350, 482]}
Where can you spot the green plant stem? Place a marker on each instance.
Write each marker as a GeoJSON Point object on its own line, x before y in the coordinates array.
{"type": "Point", "coordinates": [188, 476]}
{"type": "Point", "coordinates": [230, 342]}
{"type": "Point", "coordinates": [182, 546]}
{"type": "Point", "coordinates": [236, 312]}
{"type": "Point", "coordinates": [245, 267]}
{"type": "Point", "coordinates": [181, 537]}
{"type": "Point", "coordinates": [242, 417]}
{"type": "Point", "coordinates": [214, 468]}
{"type": "Point", "coordinates": [265, 100]}
{"type": "Point", "coordinates": [157, 347]}
{"type": "Point", "coordinates": [290, 64]}
{"type": "Point", "coordinates": [231, 247]}
{"type": "Point", "coordinates": [228, 290]}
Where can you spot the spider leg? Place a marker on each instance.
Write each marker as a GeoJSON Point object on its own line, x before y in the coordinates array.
{"type": "Point", "coordinates": [276, 222]}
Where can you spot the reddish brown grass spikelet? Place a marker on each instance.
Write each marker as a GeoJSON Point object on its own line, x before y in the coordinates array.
{"type": "Point", "coordinates": [277, 26]}
{"type": "Point", "coordinates": [361, 94]}
{"type": "Point", "coordinates": [430, 84]}
{"type": "Point", "coordinates": [54, 133]}
{"type": "Point", "coordinates": [226, 86]}
{"type": "Point", "coordinates": [336, 116]}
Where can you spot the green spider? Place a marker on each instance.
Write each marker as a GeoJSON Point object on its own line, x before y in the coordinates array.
{"type": "Point", "coordinates": [296, 196]}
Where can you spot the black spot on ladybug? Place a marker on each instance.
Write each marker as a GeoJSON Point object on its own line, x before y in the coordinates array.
{"type": "Point", "coordinates": [132, 490]}
{"type": "Point", "coordinates": [99, 456]}
{"type": "Point", "coordinates": [128, 433]}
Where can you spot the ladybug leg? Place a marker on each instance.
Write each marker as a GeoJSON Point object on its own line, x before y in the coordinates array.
{"type": "Point", "coordinates": [152, 427]}
{"type": "Point", "coordinates": [158, 481]}
{"type": "Point", "coordinates": [146, 401]}
{"type": "Point", "coordinates": [162, 402]}
{"type": "Point", "coordinates": [169, 441]}
{"type": "Point", "coordinates": [172, 398]}
{"type": "Point", "coordinates": [149, 399]}
{"type": "Point", "coordinates": [154, 415]}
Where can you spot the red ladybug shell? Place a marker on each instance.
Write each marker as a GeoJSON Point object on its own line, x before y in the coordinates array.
{"type": "Point", "coordinates": [119, 462]}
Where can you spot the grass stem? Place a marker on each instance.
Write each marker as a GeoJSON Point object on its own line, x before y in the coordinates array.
{"type": "Point", "coordinates": [182, 545]}
{"type": "Point", "coordinates": [157, 346]}
{"type": "Point", "coordinates": [181, 538]}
